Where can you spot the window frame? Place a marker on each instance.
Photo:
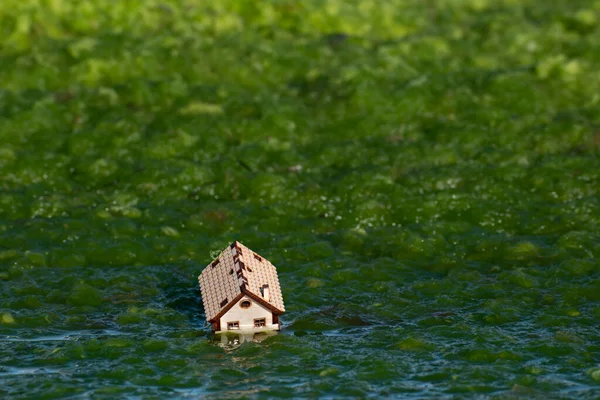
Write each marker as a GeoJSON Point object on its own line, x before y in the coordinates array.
{"type": "Point", "coordinates": [244, 301]}
{"type": "Point", "coordinates": [230, 326]}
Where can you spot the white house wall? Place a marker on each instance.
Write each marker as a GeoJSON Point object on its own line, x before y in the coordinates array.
{"type": "Point", "coordinates": [246, 316]}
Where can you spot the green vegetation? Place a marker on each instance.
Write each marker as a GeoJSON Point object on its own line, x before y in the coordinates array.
{"type": "Point", "coordinates": [424, 174]}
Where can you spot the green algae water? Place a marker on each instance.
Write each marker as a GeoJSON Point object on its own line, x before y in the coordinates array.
{"type": "Point", "coordinates": [425, 175]}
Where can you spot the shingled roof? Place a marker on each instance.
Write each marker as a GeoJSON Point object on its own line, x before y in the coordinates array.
{"type": "Point", "coordinates": [238, 271]}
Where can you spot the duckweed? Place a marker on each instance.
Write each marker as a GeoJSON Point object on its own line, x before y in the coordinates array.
{"type": "Point", "coordinates": [425, 176]}
{"type": "Point", "coordinates": [412, 344]}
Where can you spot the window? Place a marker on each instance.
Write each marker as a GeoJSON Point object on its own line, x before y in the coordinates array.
{"type": "Point", "coordinates": [259, 258]}
{"type": "Point", "coordinates": [245, 304]}
{"type": "Point", "coordinates": [233, 325]}
{"type": "Point", "coordinates": [259, 322]}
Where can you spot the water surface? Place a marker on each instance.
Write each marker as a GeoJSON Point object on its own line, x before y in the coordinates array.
{"type": "Point", "coordinates": [424, 175]}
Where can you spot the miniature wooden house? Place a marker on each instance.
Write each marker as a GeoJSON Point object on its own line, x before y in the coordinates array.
{"type": "Point", "coordinates": [241, 292]}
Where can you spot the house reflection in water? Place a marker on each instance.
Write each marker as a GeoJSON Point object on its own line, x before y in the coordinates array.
{"type": "Point", "coordinates": [234, 339]}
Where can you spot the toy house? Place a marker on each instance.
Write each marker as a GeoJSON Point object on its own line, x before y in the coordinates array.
{"type": "Point", "coordinates": [241, 292]}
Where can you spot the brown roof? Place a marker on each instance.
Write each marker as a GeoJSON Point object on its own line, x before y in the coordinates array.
{"type": "Point", "coordinates": [238, 271]}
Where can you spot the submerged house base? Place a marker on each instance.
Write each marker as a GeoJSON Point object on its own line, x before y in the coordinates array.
{"type": "Point", "coordinates": [231, 338]}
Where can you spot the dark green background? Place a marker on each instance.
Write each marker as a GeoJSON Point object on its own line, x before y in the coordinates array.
{"type": "Point", "coordinates": [424, 174]}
